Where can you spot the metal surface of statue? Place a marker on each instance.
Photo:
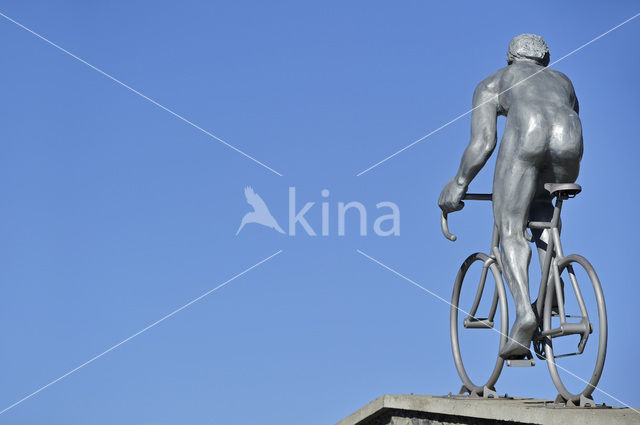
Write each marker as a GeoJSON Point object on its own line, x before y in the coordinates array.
{"type": "Point", "coordinates": [538, 160]}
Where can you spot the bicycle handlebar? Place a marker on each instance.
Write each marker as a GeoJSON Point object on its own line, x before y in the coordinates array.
{"type": "Point", "coordinates": [478, 196]}
{"type": "Point", "coordinates": [470, 197]}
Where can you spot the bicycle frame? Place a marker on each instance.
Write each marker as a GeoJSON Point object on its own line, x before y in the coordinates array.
{"type": "Point", "coordinates": [550, 279]}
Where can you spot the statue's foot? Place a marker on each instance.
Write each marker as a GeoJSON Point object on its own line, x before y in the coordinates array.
{"type": "Point", "coordinates": [514, 350]}
{"type": "Point", "coordinates": [517, 346]}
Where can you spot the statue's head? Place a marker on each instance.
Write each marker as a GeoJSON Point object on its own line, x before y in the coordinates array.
{"type": "Point", "coordinates": [528, 47]}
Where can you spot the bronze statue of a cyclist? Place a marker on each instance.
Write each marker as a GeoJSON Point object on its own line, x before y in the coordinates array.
{"type": "Point", "coordinates": [542, 143]}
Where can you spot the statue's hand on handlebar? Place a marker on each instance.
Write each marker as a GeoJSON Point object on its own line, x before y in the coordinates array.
{"type": "Point", "coordinates": [451, 196]}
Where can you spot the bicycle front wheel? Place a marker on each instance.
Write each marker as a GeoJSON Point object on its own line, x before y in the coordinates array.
{"type": "Point", "coordinates": [573, 271]}
{"type": "Point", "coordinates": [474, 273]}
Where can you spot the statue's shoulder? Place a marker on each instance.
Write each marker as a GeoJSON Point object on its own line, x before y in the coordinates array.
{"type": "Point", "coordinates": [492, 82]}
{"type": "Point", "coordinates": [562, 79]}
{"type": "Point", "coordinates": [560, 75]}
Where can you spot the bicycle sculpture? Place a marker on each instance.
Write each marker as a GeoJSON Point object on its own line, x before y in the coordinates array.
{"type": "Point", "coordinates": [538, 161]}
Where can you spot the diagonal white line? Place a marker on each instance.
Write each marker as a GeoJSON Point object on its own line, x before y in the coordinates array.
{"type": "Point", "coordinates": [175, 114]}
{"type": "Point", "coordinates": [138, 333]}
{"type": "Point", "coordinates": [496, 330]}
{"type": "Point", "coordinates": [490, 100]}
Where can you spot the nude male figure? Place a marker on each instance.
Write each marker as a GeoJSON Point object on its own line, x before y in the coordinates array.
{"type": "Point", "coordinates": [542, 143]}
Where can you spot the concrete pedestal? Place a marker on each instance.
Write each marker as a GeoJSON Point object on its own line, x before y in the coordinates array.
{"type": "Point", "coordinates": [428, 410]}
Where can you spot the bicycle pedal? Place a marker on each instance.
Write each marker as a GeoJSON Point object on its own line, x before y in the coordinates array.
{"type": "Point", "coordinates": [523, 361]}
{"type": "Point", "coordinates": [477, 323]}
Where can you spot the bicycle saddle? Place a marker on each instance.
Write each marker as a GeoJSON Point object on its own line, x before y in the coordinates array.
{"type": "Point", "coordinates": [569, 189]}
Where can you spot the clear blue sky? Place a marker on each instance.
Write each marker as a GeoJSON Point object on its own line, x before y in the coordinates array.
{"type": "Point", "coordinates": [115, 213]}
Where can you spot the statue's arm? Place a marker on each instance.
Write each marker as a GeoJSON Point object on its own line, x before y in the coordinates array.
{"type": "Point", "coordinates": [482, 143]}
{"type": "Point", "coordinates": [572, 91]}
{"type": "Point", "coordinates": [576, 106]}
{"type": "Point", "coordinates": [483, 132]}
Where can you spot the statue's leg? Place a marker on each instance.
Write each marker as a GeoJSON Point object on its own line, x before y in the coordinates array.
{"type": "Point", "coordinates": [541, 210]}
{"type": "Point", "coordinates": [513, 191]}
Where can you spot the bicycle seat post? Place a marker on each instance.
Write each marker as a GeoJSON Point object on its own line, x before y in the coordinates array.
{"type": "Point", "coordinates": [557, 209]}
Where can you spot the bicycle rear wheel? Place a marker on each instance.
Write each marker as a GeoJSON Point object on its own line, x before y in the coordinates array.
{"type": "Point", "coordinates": [477, 280]}
{"type": "Point", "coordinates": [570, 269]}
